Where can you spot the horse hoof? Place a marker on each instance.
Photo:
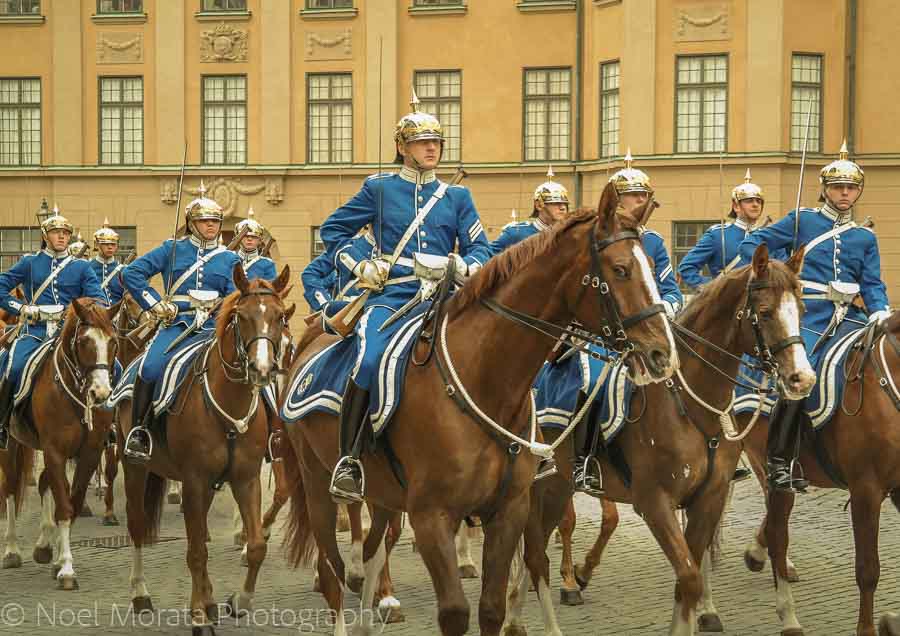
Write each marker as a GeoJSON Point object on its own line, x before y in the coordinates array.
{"type": "Point", "coordinates": [86, 510]}
{"type": "Point", "coordinates": [570, 597]}
{"type": "Point", "coordinates": [67, 583]}
{"type": "Point", "coordinates": [203, 630]}
{"type": "Point", "coordinates": [355, 584]}
{"type": "Point", "coordinates": [515, 630]}
{"type": "Point", "coordinates": [212, 613]}
{"type": "Point", "coordinates": [792, 575]}
{"type": "Point", "coordinates": [391, 613]}
{"type": "Point", "coordinates": [889, 625]}
{"type": "Point", "coordinates": [12, 560]}
{"type": "Point", "coordinates": [42, 554]}
{"type": "Point", "coordinates": [233, 609]}
{"type": "Point", "coordinates": [141, 604]}
{"type": "Point", "coordinates": [752, 564]}
{"type": "Point", "coordinates": [173, 498]}
{"type": "Point", "coordinates": [792, 632]}
{"type": "Point", "coordinates": [468, 572]}
{"type": "Point", "coordinates": [110, 520]}
{"type": "Point", "coordinates": [710, 623]}
{"type": "Point", "coordinates": [582, 582]}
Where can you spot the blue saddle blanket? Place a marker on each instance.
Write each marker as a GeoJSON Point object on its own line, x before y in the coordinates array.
{"type": "Point", "coordinates": [826, 395]}
{"type": "Point", "coordinates": [320, 383]}
{"type": "Point", "coordinates": [29, 371]}
{"type": "Point", "coordinates": [177, 370]}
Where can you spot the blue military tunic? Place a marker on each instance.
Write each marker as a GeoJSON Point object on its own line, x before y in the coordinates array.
{"type": "Point", "coordinates": [328, 286]}
{"type": "Point", "coordinates": [107, 272]}
{"type": "Point", "coordinates": [76, 280]}
{"type": "Point", "coordinates": [655, 246]}
{"type": "Point", "coordinates": [257, 266]}
{"type": "Point", "coordinates": [516, 232]}
{"type": "Point", "coordinates": [215, 274]}
{"type": "Point", "coordinates": [452, 221]}
{"type": "Point", "coordinates": [837, 249]}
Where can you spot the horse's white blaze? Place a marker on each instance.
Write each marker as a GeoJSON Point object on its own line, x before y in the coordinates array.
{"type": "Point", "coordinates": [12, 544]}
{"type": "Point", "coordinates": [65, 550]}
{"type": "Point", "coordinates": [784, 604]}
{"type": "Point", "coordinates": [789, 315]}
{"type": "Point", "coordinates": [680, 626]}
{"type": "Point", "coordinates": [100, 378]}
{"type": "Point", "coordinates": [551, 627]}
{"type": "Point", "coordinates": [137, 581]}
{"type": "Point", "coordinates": [263, 356]}
{"type": "Point", "coordinates": [650, 283]}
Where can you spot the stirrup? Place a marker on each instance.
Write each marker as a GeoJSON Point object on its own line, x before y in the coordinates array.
{"type": "Point", "coordinates": [782, 478]}
{"type": "Point", "coordinates": [545, 468]}
{"type": "Point", "coordinates": [138, 455]}
{"type": "Point", "coordinates": [276, 439]}
{"type": "Point", "coordinates": [340, 495]}
{"type": "Point", "coordinates": [581, 482]}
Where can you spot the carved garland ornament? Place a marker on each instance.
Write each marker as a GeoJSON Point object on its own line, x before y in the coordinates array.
{"type": "Point", "coordinates": [344, 38]}
{"type": "Point", "coordinates": [106, 47]}
{"type": "Point", "coordinates": [223, 44]}
{"type": "Point", "coordinates": [684, 20]}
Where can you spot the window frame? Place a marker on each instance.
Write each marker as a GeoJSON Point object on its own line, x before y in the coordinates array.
{"type": "Point", "coordinates": [679, 252]}
{"type": "Point", "coordinates": [121, 230]}
{"type": "Point", "coordinates": [35, 240]}
{"type": "Point", "coordinates": [440, 100]}
{"type": "Point", "coordinates": [330, 102]}
{"type": "Point", "coordinates": [138, 11]}
{"type": "Point", "coordinates": [36, 4]}
{"type": "Point", "coordinates": [545, 97]}
{"type": "Point", "coordinates": [701, 85]}
{"type": "Point", "coordinates": [205, 8]}
{"type": "Point", "coordinates": [821, 87]}
{"type": "Point", "coordinates": [121, 106]}
{"type": "Point", "coordinates": [604, 93]}
{"type": "Point", "coordinates": [204, 103]}
{"type": "Point", "coordinates": [331, 6]}
{"type": "Point", "coordinates": [315, 238]}
{"type": "Point", "coordinates": [20, 106]}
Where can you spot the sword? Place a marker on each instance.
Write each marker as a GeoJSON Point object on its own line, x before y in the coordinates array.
{"type": "Point", "coordinates": [171, 292]}
{"type": "Point", "coordinates": [201, 315]}
{"type": "Point", "coordinates": [237, 239]}
{"type": "Point", "coordinates": [802, 169]}
{"type": "Point", "coordinates": [405, 309]}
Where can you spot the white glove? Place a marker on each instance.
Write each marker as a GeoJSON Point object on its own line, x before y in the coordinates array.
{"type": "Point", "coordinates": [372, 274]}
{"type": "Point", "coordinates": [462, 268]}
{"type": "Point", "coordinates": [30, 312]}
{"type": "Point", "coordinates": [164, 310]}
{"type": "Point", "coordinates": [670, 308]}
{"type": "Point", "coordinates": [880, 317]}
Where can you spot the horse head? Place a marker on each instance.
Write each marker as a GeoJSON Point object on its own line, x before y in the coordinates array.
{"type": "Point", "coordinates": [256, 315]}
{"type": "Point", "coordinates": [772, 313]}
{"type": "Point", "coordinates": [619, 299]}
{"type": "Point", "coordinates": [88, 343]}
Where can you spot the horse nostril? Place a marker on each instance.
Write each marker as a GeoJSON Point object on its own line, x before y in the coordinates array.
{"type": "Point", "coordinates": [658, 360]}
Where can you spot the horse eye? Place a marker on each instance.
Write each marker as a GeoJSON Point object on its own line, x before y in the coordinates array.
{"type": "Point", "coordinates": [620, 271]}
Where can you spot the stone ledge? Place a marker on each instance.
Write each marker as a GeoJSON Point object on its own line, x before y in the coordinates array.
{"type": "Point", "coordinates": [606, 3]}
{"type": "Point", "coordinates": [22, 19]}
{"type": "Point", "coordinates": [223, 16]}
{"type": "Point", "coordinates": [459, 9]}
{"type": "Point", "coordinates": [329, 14]}
{"type": "Point", "coordinates": [546, 5]}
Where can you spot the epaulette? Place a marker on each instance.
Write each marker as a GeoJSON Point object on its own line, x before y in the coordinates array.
{"type": "Point", "coordinates": [380, 175]}
{"type": "Point", "coordinates": [866, 227]}
{"type": "Point", "coordinates": [717, 226]}
{"type": "Point", "coordinates": [516, 224]}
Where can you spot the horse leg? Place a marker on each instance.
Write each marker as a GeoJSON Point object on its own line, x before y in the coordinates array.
{"type": "Point", "coordinates": [12, 474]}
{"type": "Point", "coordinates": [343, 519]}
{"type": "Point", "coordinates": [609, 521]}
{"type": "Point", "coordinates": [248, 496]}
{"type": "Point", "coordinates": [356, 571]}
{"type": "Point", "coordinates": [779, 513]}
{"type": "Point", "coordinates": [110, 472]}
{"type": "Point", "coordinates": [467, 569]}
{"type": "Point", "coordinates": [197, 498]}
{"type": "Point", "coordinates": [43, 546]}
{"type": "Point", "coordinates": [570, 590]}
{"type": "Point", "coordinates": [135, 477]}
{"type": "Point", "coordinates": [174, 496]}
{"type": "Point", "coordinates": [435, 531]}
{"type": "Point", "coordinates": [374, 556]}
{"type": "Point", "coordinates": [330, 566]}
{"type": "Point", "coordinates": [865, 509]}
{"type": "Point", "coordinates": [708, 615]}
{"type": "Point", "coordinates": [64, 513]}
{"type": "Point", "coordinates": [389, 608]}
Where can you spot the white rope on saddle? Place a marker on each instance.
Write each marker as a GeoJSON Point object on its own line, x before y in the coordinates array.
{"type": "Point", "coordinates": [887, 369]}
{"type": "Point", "coordinates": [241, 425]}
{"type": "Point", "coordinates": [726, 419]}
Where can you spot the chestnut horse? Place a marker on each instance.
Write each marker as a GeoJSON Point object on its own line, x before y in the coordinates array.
{"type": "Point", "coordinates": [493, 340]}
{"type": "Point", "coordinates": [206, 446]}
{"type": "Point", "coordinates": [675, 451]}
{"type": "Point", "coordinates": [60, 419]}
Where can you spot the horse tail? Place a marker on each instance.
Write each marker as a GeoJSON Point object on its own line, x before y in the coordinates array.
{"type": "Point", "coordinates": [154, 494]}
{"type": "Point", "coordinates": [895, 498]}
{"type": "Point", "coordinates": [299, 542]}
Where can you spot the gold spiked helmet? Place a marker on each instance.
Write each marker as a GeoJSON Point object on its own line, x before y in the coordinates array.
{"type": "Point", "coordinates": [106, 235]}
{"type": "Point", "coordinates": [842, 170]}
{"type": "Point", "coordinates": [550, 191]}
{"type": "Point", "coordinates": [630, 179]}
{"type": "Point", "coordinates": [56, 222]}
{"type": "Point", "coordinates": [203, 208]}
{"type": "Point", "coordinates": [417, 126]}
{"type": "Point", "coordinates": [254, 227]}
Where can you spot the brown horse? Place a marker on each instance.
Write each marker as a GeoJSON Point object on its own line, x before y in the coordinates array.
{"type": "Point", "coordinates": [209, 413]}
{"type": "Point", "coordinates": [676, 452]}
{"type": "Point", "coordinates": [60, 419]}
{"type": "Point", "coordinates": [590, 267]}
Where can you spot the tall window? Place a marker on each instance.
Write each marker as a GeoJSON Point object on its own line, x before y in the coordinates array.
{"type": "Point", "coordinates": [609, 109]}
{"type": "Point", "coordinates": [225, 119]}
{"type": "Point", "coordinates": [121, 120]}
{"type": "Point", "coordinates": [16, 242]}
{"type": "Point", "coordinates": [548, 95]}
{"type": "Point", "coordinates": [224, 5]}
{"type": "Point", "coordinates": [685, 235]}
{"type": "Point", "coordinates": [20, 7]}
{"type": "Point", "coordinates": [806, 93]}
{"type": "Point", "coordinates": [330, 118]}
{"type": "Point", "coordinates": [20, 122]}
{"type": "Point", "coordinates": [120, 6]}
{"type": "Point", "coordinates": [701, 114]}
{"type": "Point", "coordinates": [318, 245]}
{"type": "Point", "coordinates": [439, 92]}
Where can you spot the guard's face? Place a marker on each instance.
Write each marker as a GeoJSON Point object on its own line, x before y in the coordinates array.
{"type": "Point", "coordinates": [843, 195]}
{"type": "Point", "coordinates": [749, 209]}
{"type": "Point", "coordinates": [250, 243]}
{"type": "Point", "coordinates": [59, 239]}
{"type": "Point", "coordinates": [632, 200]}
{"type": "Point", "coordinates": [423, 154]}
{"type": "Point", "coordinates": [553, 212]}
{"type": "Point", "coordinates": [108, 250]}
{"type": "Point", "coordinates": [208, 228]}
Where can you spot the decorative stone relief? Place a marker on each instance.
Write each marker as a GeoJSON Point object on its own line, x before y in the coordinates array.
{"type": "Point", "coordinates": [274, 190]}
{"type": "Point", "coordinates": [168, 192]}
{"type": "Point", "coordinates": [223, 44]}
{"type": "Point", "coordinates": [120, 48]}
{"type": "Point", "coordinates": [329, 45]}
{"type": "Point", "coordinates": [226, 191]}
{"type": "Point", "coordinates": [702, 21]}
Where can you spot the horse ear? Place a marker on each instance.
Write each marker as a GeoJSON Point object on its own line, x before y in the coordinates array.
{"type": "Point", "coordinates": [290, 311]}
{"type": "Point", "coordinates": [761, 260]}
{"type": "Point", "coordinates": [83, 314]}
{"type": "Point", "coordinates": [795, 262]}
{"type": "Point", "coordinates": [240, 278]}
{"type": "Point", "coordinates": [283, 279]}
{"type": "Point", "coordinates": [643, 213]}
{"type": "Point", "coordinates": [112, 311]}
{"type": "Point", "coordinates": [287, 290]}
{"type": "Point", "coordinates": [606, 209]}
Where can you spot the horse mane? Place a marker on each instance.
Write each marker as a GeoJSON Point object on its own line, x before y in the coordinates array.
{"type": "Point", "coordinates": [501, 267]}
{"type": "Point", "coordinates": [94, 310]}
{"type": "Point", "coordinates": [230, 304]}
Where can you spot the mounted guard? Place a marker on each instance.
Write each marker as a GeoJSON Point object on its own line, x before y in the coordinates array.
{"type": "Point", "coordinates": [842, 262]}
{"type": "Point", "coordinates": [50, 280]}
{"type": "Point", "coordinates": [551, 204]}
{"type": "Point", "coordinates": [415, 218]}
{"type": "Point", "coordinates": [255, 264]}
{"type": "Point", "coordinates": [197, 274]}
{"type": "Point", "coordinates": [105, 265]}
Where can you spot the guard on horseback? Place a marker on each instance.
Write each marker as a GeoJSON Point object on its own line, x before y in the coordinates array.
{"type": "Point", "coordinates": [841, 261]}
{"type": "Point", "coordinates": [413, 214]}
{"type": "Point", "coordinates": [551, 204]}
{"type": "Point", "coordinates": [50, 280]}
{"type": "Point", "coordinates": [105, 265]}
{"type": "Point", "coordinates": [197, 275]}
{"type": "Point", "coordinates": [255, 264]}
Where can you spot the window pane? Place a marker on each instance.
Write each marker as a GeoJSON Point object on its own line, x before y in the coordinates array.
{"type": "Point", "coordinates": [701, 111]}
{"type": "Point", "coordinates": [440, 93]}
{"type": "Point", "coordinates": [535, 82]}
{"type": "Point", "coordinates": [330, 118]}
{"type": "Point", "coordinates": [9, 91]}
{"type": "Point", "coordinates": [689, 70]}
{"type": "Point", "coordinates": [20, 122]}
{"type": "Point", "coordinates": [110, 90]}
{"type": "Point", "coordinates": [214, 89]}
{"type": "Point", "coordinates": [547, 125]}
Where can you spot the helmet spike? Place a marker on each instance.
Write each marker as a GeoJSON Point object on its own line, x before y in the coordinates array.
{"type": "Point", "coordinates": [105, 221]}
{"type": "Point", "coordinates": [202, 189]}
{"type": "Point", "coordinates": [844, 153]}
{"type": "Point", "coordinates": [250, 212]}
{"type": "Point", "coordinates": [550, 173]}
{"type": "Point", "coordinates": [747, 176]}
{"type": "Point", "coordinates": [55, 208]}
{"type": "Point", "coordinates": [414, 102]}
{"type": "Point", "coordinates": [628, 158]}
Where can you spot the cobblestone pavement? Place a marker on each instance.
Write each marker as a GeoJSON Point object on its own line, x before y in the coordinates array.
{"type": "Point", "coordinates": [630, 594]}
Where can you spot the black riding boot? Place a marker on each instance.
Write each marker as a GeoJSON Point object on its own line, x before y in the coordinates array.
{"type": "Point", "coordinates": [348, 480]}
{"type": "Point", "coordinates": [781, 448]}
{"type": "Point", "coordinates": [6, 407]}
{"type": "Point", "coordinates": [139, 443]}
{"type": "Point", "coordinates": [586, 473]}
